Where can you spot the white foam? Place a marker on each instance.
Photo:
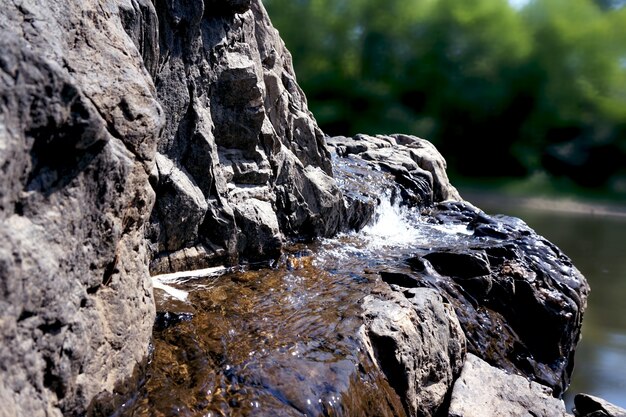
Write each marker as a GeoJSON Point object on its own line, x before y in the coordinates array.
{"type": "Point", "coordinates": [183, 276]}
{"type": "Point", "coordinates": [392, 227]}
{"type": "Point", "coordinates": [174, 292]}
{"type": "Point", "coordinates": [162, 281]}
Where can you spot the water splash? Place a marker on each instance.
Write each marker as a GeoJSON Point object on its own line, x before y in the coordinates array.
{"type": "Point", "coordinates": [393, 226]}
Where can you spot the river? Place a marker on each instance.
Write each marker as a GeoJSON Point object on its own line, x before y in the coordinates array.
{"type": "Point", "coordinates": [596, 243]}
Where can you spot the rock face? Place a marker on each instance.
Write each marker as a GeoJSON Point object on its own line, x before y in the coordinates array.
{"type": "Point", "coordinates": [79, 123]}
{"type": "Point", "coordinates": [415, 164]}
{"type": "Point", "coordinates": [241, 163]}
{"type": "Point", "coordinates": [416, 340]}
{"type": "Point", "coordinates": [142, 136]}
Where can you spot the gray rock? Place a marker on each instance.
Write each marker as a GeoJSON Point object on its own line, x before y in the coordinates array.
{"type": "Point", "coordinates": [79, 122]}
{"type": "Point", "coordinates": [519, 299]}
{"type": "Point", "coordinates": [181, 202]}
{"type": "Point", "coordinates": [417, 166]}
{"type": "Point", "coordinates": [483, 390]}
{"type": "Point", "coordinates": [236, 119]}
{"type": "Point", "coordinates": [416, 340]}
{"type": "Point", "coordinates": [589, 406]}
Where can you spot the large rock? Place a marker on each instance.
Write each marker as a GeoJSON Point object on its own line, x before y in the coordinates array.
{"type": "Point", "coordinates": [590, 406]}
{"type": "Point", "coordinates": [79, 122]}
{"type": "Point", "coordinates": [241, 164]}
{"type": "Point", "coordinates": [238, 128]}
{"type": "Point", "coordinates": [415, 164]}
{"type": "Point", "coordinates": [483, 390]}
{"type": "Point", "coordinates": [518, 298]}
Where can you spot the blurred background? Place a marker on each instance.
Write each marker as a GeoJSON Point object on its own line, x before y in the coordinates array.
{"type": "Point", "coordinates": [526, 94]}
{"type": "Point", "coordinates": [525, 99]}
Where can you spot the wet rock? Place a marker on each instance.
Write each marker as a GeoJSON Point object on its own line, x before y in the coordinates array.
{"type": "Point", "coordinates": [416, 340]}
{"type": "Point", "coordinates": [483, 390]}
{"type": "Point", "coordinates": [456, 264]}
{"type": "Point", "coordinates": [78, 130]}
{"type": "Point", "coordinates": [518, 298]}
{"type": "Point", "coordinates": [589, 406]}
{"type": "Point", "coordinates": [415, 164]}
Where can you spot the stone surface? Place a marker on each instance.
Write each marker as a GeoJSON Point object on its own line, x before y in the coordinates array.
{"type": "Point", "coordinates": [416, 340]}
{"type": "Point", "coordinates": [483, 390]}
{"type": "Point", "coordinates": [415, 164]}
{"type": "Point", "coordinates": [79, 123]}
{"type": "Point", "coordinates": [589, 406]}
{"type": "Point", "coordinates": [239, 136]}
{"type": "Point", "coordinates": [519, 300]}
{"type": "Point", "coordinates": [110, 108]}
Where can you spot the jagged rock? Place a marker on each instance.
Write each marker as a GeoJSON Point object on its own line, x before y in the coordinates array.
{"type": "Point", "coordinates": [79, 122]}
{"type": "Point", "coordinates": [483, 390]}
{"type": "Point", "coordinates": [589, 406]}
{"type": "Point", "coordinates": [108, 106]}
{"type": "Point", "coordinates": [518, 298]}
{"type": "Point", "coordinates": [416, 340]}
{"type": "Point", "coordinates": [181, 202]}
{"type": "Point", "coordinates": [415, 163]}
{"type": "Point", "coordinates": [236, 119]}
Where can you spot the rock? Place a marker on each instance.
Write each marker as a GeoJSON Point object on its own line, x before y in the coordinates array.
{"type": "Point", "coordinates": [260, 232]}
{"type": "Point", "coordinates": [237, 127]}
{"type": "Point", "coordinates": [589, 406]}
{"type": "Point", "coordinates": [416, 340]}
{"type": "Point", "coordinates": [519, 300]}
{"type": "Point", "coordinates": [415, 163]}
{"type": "Point", "coordinates": [90, 91]}
{"type": "Point", "coordinates": [483, 390]}
{"type": "Point", "coordinates": [110, 108]}
{"type": "Point", "coordinates": [181, 202]}
{"type": "Point", "coordinates": [79, 123]}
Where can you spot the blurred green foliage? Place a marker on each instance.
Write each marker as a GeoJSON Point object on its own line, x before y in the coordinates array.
{"type": "Point", "coordinates": [502, 91]}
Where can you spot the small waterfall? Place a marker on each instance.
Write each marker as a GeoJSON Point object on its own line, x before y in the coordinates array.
{"type": "Point", "coordinates": [394, 226]}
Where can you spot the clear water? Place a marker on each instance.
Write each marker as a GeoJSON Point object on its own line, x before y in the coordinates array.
{"type": "Point", "coordinates": [281, 340]}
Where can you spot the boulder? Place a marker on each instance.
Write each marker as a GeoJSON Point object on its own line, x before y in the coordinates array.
{"type": "Point", "coordinates": [415, 164]}
{"type": "Point", "coordinates": [483, 390]}
{"type": "Point", "coordinates": [416, 340]}
{"type": "Point", "coordinates": [589, 406]}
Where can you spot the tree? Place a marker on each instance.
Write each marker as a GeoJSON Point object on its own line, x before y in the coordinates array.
{"type": "Point", "coordinates": [543, 87]}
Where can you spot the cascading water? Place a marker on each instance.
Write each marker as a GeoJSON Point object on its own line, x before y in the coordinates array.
{"type": "Point", "coordinates": [281, 340]}
{"type": "Point", "coordinates": [285, 340]}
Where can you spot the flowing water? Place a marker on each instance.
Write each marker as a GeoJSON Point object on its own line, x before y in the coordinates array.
{"type": "Point", "coordinates": [281, 339]}
{"type": "Point", "coordinates": [597, 246]}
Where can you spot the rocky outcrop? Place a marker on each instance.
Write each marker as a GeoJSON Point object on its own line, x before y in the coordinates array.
{"type": "Point", "coordinates": [519, 300]}
{"type": "Point", "coordinates": [169, 136]}
{"type": "Point", "coordinates": [106, 107]}
{"type": "Point", "coordinates": [241, 163]}
{"type": "Point", "coordinates": [483, 390]}
{"type": "Point", "coordinates": [79, 123]}
{"type": "Point", "coordinates": [414, 163]}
